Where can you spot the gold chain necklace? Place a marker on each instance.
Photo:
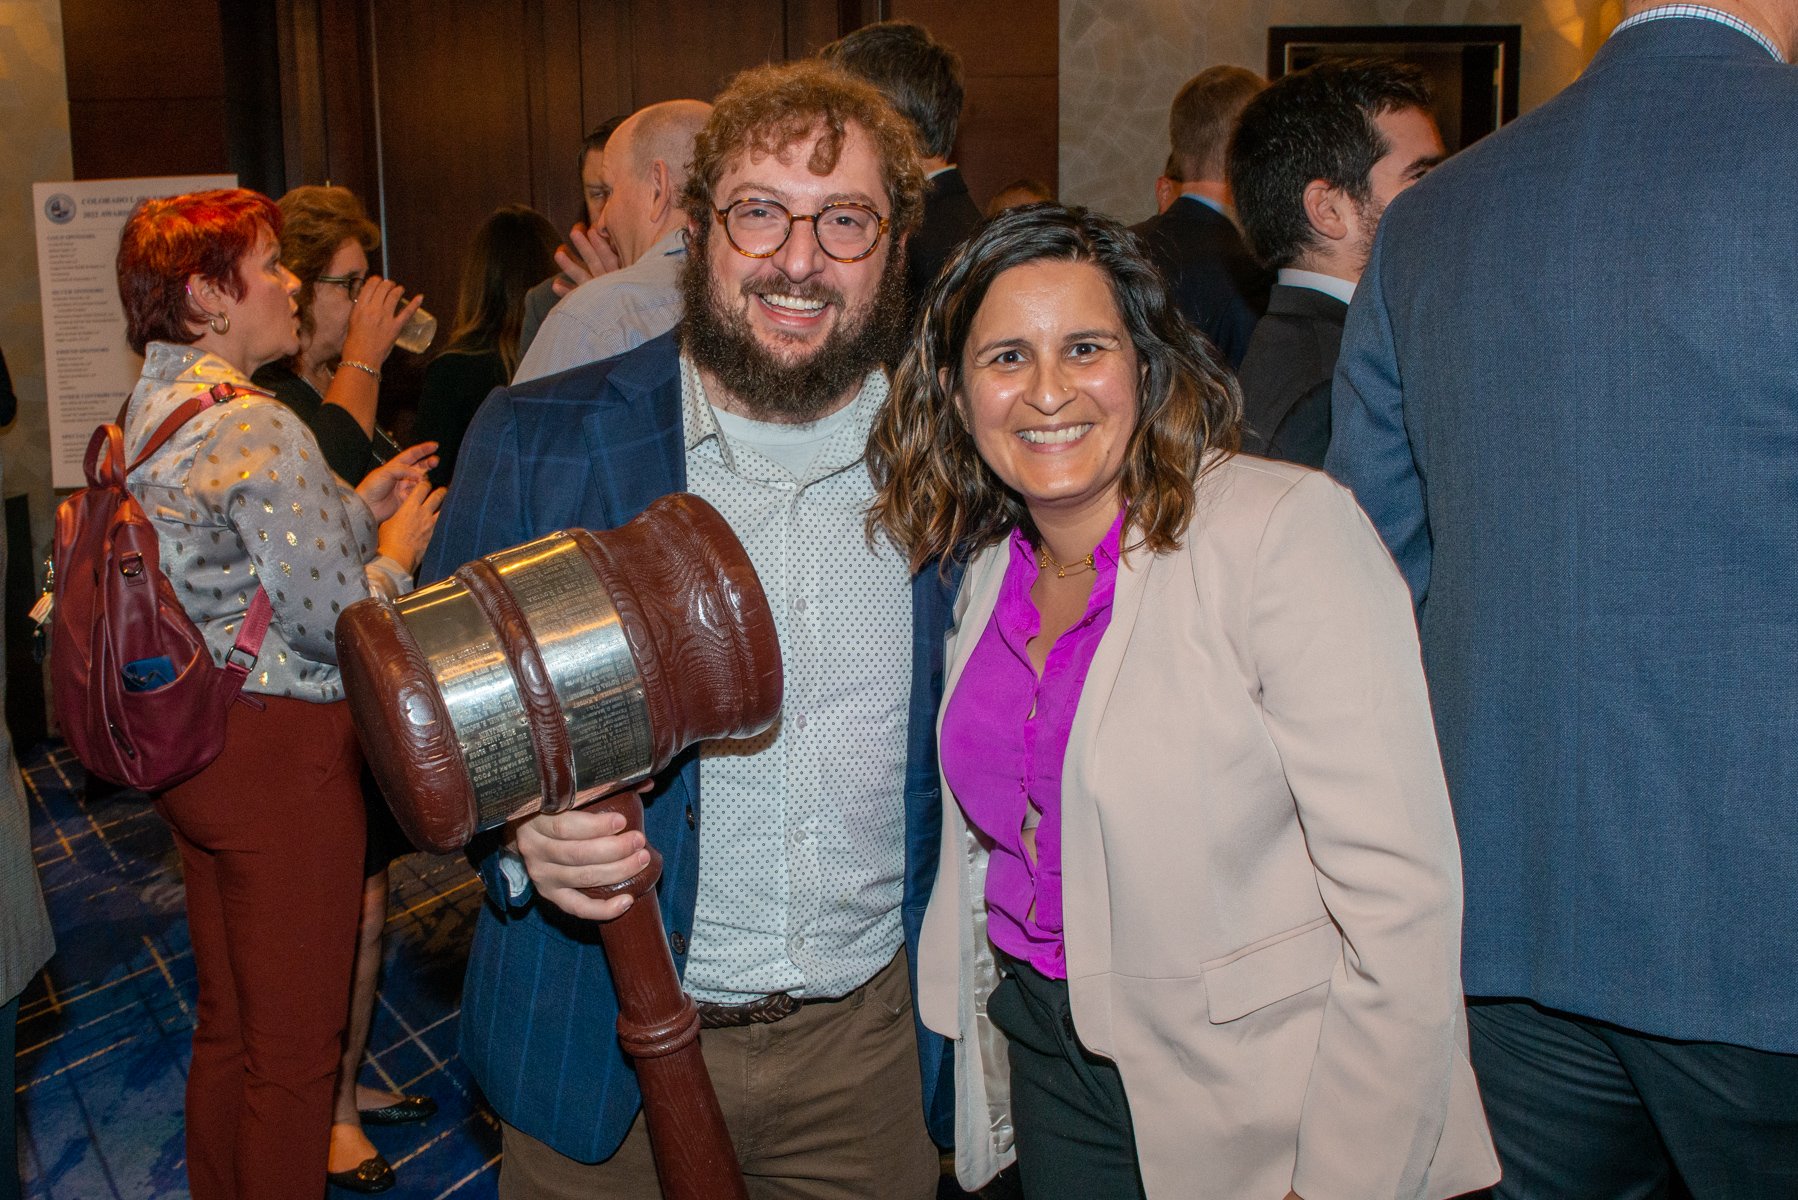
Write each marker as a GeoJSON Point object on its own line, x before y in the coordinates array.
{"type": "Point", "coordinates": [1045, 560]}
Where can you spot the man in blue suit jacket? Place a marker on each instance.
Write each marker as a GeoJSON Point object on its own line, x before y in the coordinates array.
{"type": "Point", "coordinates": [1568, 398]}
{"type": "Point", "coordinates": [1193, 241]}
{"type": "Point", "coordinates": [810, 874]}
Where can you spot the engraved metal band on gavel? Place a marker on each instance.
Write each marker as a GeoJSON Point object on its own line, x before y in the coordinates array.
{"type": "Point", "coordinates": [537, 677]}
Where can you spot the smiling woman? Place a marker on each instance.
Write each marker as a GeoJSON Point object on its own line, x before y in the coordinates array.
{"type": "Point", "coordinates": [940, 495]}
{"type": "Point", "coordinates": [1048, 386]}
{"type": "Point", "coordinates": [1199, 876]}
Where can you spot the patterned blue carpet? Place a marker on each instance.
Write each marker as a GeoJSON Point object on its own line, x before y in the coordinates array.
{"type": "Point", "coordinates": [104, 1032]}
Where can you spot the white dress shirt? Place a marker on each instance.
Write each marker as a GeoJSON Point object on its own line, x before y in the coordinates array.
{"type": "Point", "coordinates": [610, 313]}
{"type": "Point", "coordinates": [1329, 285]}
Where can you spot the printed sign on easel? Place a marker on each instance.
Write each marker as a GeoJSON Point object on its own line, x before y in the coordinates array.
{"type": "Point", "coordinates": [89, 370]}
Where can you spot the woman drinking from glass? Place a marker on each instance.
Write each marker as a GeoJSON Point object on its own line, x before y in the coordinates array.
{"type": "Point", "coordinates": [349, 319]}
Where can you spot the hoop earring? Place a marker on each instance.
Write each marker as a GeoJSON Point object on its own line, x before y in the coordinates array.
{"type": "Point", "coordinates": [220, 324]}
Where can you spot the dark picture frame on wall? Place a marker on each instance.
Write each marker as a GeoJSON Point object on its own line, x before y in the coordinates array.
{"type": "Point", "coordinates": [1473, 70]}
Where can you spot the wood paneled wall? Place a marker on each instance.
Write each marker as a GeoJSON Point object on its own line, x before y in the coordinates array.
{"type": "Point", "coordinates": [437, 112]}
{"type": "Point", "coordinates": [1010, 56]}
{"type": "Point", "coordinates": [147, 88]}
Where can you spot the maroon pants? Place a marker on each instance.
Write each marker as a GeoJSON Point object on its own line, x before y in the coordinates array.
{"type": "Point", "coordinates": [271, 848]}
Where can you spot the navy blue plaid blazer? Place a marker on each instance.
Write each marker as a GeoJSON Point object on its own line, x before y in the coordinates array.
{"type": "Point", "coordinates": [591, 448]}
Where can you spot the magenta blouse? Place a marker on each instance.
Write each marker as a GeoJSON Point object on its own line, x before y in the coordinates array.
{"type": "Point", "coordinates": [1005, 736]}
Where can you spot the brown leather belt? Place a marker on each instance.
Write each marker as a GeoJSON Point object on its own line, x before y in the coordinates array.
{"type": "Point", "coordinates": [765, 1011]}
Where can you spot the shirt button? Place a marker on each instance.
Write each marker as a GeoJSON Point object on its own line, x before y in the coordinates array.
{"type": "Point", "coordinates": [799, 722]}
{"type": "Point", "coordinates": [798, 942]}
{"type": "Point", "coordinates": [799, 604]}
{"type": "Point", "coordinates": [677, 942]}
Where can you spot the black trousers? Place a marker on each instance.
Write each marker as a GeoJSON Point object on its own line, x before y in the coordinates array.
{"type": "Point", "coordinates": [1581, 1110]}
{"type": "Point", "coordinates": [1074, 1136]}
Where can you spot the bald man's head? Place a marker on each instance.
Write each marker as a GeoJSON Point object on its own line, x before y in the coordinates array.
{"type": "Point", "coordinates": [645, 168]}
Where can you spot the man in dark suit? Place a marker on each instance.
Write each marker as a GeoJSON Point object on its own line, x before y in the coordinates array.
{"type": "Point", "coordinates": [1568, 398]}
{"type": "Point", "coordinates": [587, 255]}
{"type": "Point", "coordinates": [1194, 241]}
{"type": "Point", "coordinates": [922, 79]}
{"type": "Point", "coordinates": [1316, 159]}
{"type": "Point", "coordinates": [790, 908]}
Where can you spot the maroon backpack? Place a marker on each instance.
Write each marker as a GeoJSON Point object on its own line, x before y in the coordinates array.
{"type": "Point", "coordinates": [137, 696]}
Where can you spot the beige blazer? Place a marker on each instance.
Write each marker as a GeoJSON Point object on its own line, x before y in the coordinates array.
{"type": "Point", "coordinates": [1262, 887]}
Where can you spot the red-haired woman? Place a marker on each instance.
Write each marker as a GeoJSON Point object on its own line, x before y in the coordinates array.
{"type": "Point", "coordinates": [271, 833]}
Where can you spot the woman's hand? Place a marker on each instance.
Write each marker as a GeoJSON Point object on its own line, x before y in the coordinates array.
{"type": "Point", "coordinates": [567, 851]}
{"type": "Point", "coordinates": [374, 323]}
{"type": "Point", "coordinates": [405, 534]}
{"type": "Point", "coordinates": [383, 488]}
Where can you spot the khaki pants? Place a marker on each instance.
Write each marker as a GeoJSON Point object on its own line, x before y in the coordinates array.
{"type": "Point", "coordinates": [825, 1105]}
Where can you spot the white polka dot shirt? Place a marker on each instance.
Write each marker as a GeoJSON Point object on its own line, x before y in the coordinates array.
{"type": "Point", "coordinates": [801, 848]}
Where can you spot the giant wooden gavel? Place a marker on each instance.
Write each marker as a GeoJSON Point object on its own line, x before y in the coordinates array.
{"type": "Point", "coordinates": [556, 674]}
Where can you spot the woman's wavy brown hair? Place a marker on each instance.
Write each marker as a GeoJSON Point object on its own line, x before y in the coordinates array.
{"type": "Point", "coordinates": [934, 495]}
{"type": "Point", "coordinates": [316, 221]}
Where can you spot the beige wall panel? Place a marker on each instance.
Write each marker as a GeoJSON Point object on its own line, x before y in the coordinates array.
{"type": "Point", "coordinates": [1123, 60]}
{"type": "Point", "coordinates": [34, 145]}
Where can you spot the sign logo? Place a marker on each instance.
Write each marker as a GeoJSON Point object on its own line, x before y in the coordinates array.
{"type": "Point", "coordinates": [60, 208]}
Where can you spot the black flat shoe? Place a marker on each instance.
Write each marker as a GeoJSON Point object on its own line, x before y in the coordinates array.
{"type": "Point", "coordinates": [403, 1111]}
{"type": "Point", "coordinates": [374, 1175]}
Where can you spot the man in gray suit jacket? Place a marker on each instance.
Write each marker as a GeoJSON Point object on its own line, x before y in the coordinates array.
{"type": "Point", "coordinates": [1568, 398]}
{"type": "Point", "coordinates": [25, 941]}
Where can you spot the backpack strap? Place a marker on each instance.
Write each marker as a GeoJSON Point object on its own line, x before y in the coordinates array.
{"type": "Point", "coordinates": [219, 393]}
{"type": "Point", "coordinates": [104, 461]}
{"type": "Point", "coordinates": [242, 655]}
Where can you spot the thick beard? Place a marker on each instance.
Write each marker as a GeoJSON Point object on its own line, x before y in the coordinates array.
{"type": "Point", "coordinates": [719, 340]}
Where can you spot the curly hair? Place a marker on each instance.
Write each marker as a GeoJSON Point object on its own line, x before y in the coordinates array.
{"type": "Point", "coordinates": [167, 240]}
{"type": "Point", "coordinates": [934, 495]}
{"type": "Point", "coordinates": [318, 221]}
{"type": "Point", "coordinates": [766, 110]}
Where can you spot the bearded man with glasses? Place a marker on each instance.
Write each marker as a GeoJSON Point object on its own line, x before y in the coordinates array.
{"type": "Point", "coordinates": [790, 910]}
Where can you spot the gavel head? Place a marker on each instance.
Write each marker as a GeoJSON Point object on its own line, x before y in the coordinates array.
{"type": "Point", "coordinates": [557, 671]}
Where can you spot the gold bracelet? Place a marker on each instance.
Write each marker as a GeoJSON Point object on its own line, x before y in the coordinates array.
{"type": "Point", "coordinates": [361, 366]}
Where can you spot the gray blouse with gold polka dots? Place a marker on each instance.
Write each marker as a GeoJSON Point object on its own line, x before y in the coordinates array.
{"type": "Point", "coordinates": [241, 493]}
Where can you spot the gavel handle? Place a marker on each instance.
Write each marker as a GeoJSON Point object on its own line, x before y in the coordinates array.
{"type": "Point", "coordinates": [658, 1026]}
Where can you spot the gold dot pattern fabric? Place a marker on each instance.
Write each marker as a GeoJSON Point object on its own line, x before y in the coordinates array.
{"type": "Point", "coordinates": [236, 497]}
